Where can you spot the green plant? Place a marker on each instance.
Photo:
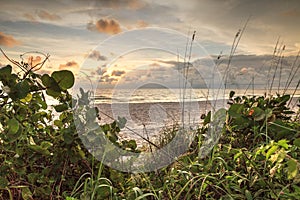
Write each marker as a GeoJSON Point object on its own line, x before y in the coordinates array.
{"type": "Point", "coordinates": [41, 153]}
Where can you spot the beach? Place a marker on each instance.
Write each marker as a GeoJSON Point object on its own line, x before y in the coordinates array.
{"type": "Point", "coordinates": [149, 119]}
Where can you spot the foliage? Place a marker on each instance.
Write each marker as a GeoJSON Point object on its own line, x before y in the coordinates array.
{"type": "Point", "coordinates": [42, 155]}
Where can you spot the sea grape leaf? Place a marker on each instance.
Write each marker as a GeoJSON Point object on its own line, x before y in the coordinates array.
{"type": "Point", "coordinates": [258, 114]}
{"type": "Point", "coordinates": [292, 169]}
{"type": "Point", "coordinates": [20, 90]}
{"type": "Point", "coordinates": [61, 107]}
{"type": "Point", "coordinates": [112, 136]}
{"type": "Point", "coordinates": [297, 142]}
{"type": "Point", "coordinates": [284, 99]}
{"type": "Point", "coordinates": [235, 110]}
{"type": "Point", "coordinates": [52, 86]}
{"type": "Point", "coordinates": [28, 98]}
{"type": "Point", "coordinates": [231, 94]}
{"type": "Point", "coordinates": [64, 78]}
{"type": "Point", "coordinates": [241, 122]}
{"type": "Point", "coordinates": [5, 72]}
{"type": "Point", "coordinates": [13, 126]}
{"type": "Point", "coordinates": [131, 144]}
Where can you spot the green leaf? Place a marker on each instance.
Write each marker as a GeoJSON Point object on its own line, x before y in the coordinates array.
{"type": "Point", "coordinates": [5, 71]}
{"type": "Point", "coordinates": [248, 195]}
{"type": "Point", "coordinates": [231, 94]}
{"type": "Point", "coordinates": [52, 86]}
{"type": "Point", "coordinates": [64, 78]}
{"type": "Point", "coordinates": [68, 137]}
{"type": "Point", "coordinates": [258, 114]}
{"type": "Point", "coordinates": [235, 110]}
{"type": "Point", "coordinates": [3, 182]}
{"type": "Point", "coordinates": [283, 143]}
{"type": "Point", "coordinates": [268, 112]}
{"type": "Point", "coordinates": [132, 144]}
{"type": "Point", "coordinates": [71, 198]}
{"type": "Point", "coordinates": [284, 99]}
{"type": "Point", "coordinates": [46, 144]}
{"type": "Point", "coordinates": [112, 136]}
{"type": "Point", "coordinates": [20, 90]}
{"type": "Point", "coordinates": [297, 142]}
{"type": "Point", "coordinates": [271, 151]}
{"type": "Point", "coordinates": [39, 149]}
{"type": "Point", "coordinates": [207, 118]}
{"type": "Point", "coordinates": [26, 193]}
{"type": "Point", "coordinates": [13, 126]}
{"type": "Point", "coordinates": [27, 98]}
{"type": "Point", "coordinates": [292, 169]}
{"type": "Point", "coordinates": [47, 80]}
{"type": "Point", "coordinates": [105, 128]}
{"type": "Point", "coordinates": [58, 123]}
{"type": "Point", "coordinates": [241, 122]}
{"type": "Point", "coordinates": [61, 107]}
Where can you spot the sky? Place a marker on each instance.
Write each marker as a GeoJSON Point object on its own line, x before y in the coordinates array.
{"type": "Point", "coordinates": [114, 42]}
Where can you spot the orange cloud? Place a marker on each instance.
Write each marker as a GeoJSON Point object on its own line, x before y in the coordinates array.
{"type": "Point", "coordinates": [154, 64]}
{"type": "Point", "coordinates": [68, 65]}
{"type": "Point", "coordinates": [291, 13]}
{"type": "Point", "coordinates": [42, 14]}
{"type": "Point", "coordinates": [136, 4]}
{"type": "Point", "coordinates": [7, 40]}
{"type": "Point", "coordinates": [96, 55]}
{"type": "Point", "coordinates": [117, 73]}
{"type": "Point", "coordinates": [142, 24]}
{"type": "Point", "coordinates": [119, 4]}
{"type": "Point", "coordinates": [108, 26]}
{"type": "Point", "coordinates": [33, 61]}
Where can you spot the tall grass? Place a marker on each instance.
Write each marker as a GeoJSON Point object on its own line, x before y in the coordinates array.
{"type": "Point", "coordinates": [250, 162]}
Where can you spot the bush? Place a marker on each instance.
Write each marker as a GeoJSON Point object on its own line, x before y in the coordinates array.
{"type": "Point", "coordinates": [43, 157]}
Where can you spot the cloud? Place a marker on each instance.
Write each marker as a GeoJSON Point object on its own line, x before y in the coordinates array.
{"type": "Point", "coordinates": [121, 4]}
{"type": "Point", "coordinates": [69, 65]}
{"type": "Point", "coordinates": [291, 13]}
{"type": "Point", "coordinates": [108, 26]}
{"type": "Point", "coordinates": [96, 56]}
{"type": "Point", "coordinates": [101, 71]}
{"type": "Point", "coordinates": [30, 17]}
{"type": "Point", "coordinates": [8, 40]}
{"type": "Point", "coordinates": [32, 61]}
{"type": "Point", "coordinates": [44, 71]}
{"type": "Point", "coordinates": [154, 64]}
{"type": "Point", "coordinates": [42, 14]}
{"type": "Point", "coordinates": [106, 79]}
{"type": "Point", "coordinates": [141, 24]}
{"type": "Point", "coordinates": [117, 73]}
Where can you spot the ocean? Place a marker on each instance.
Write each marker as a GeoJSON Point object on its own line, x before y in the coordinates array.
{"type": "Point", "coordinates": [149, 111]}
